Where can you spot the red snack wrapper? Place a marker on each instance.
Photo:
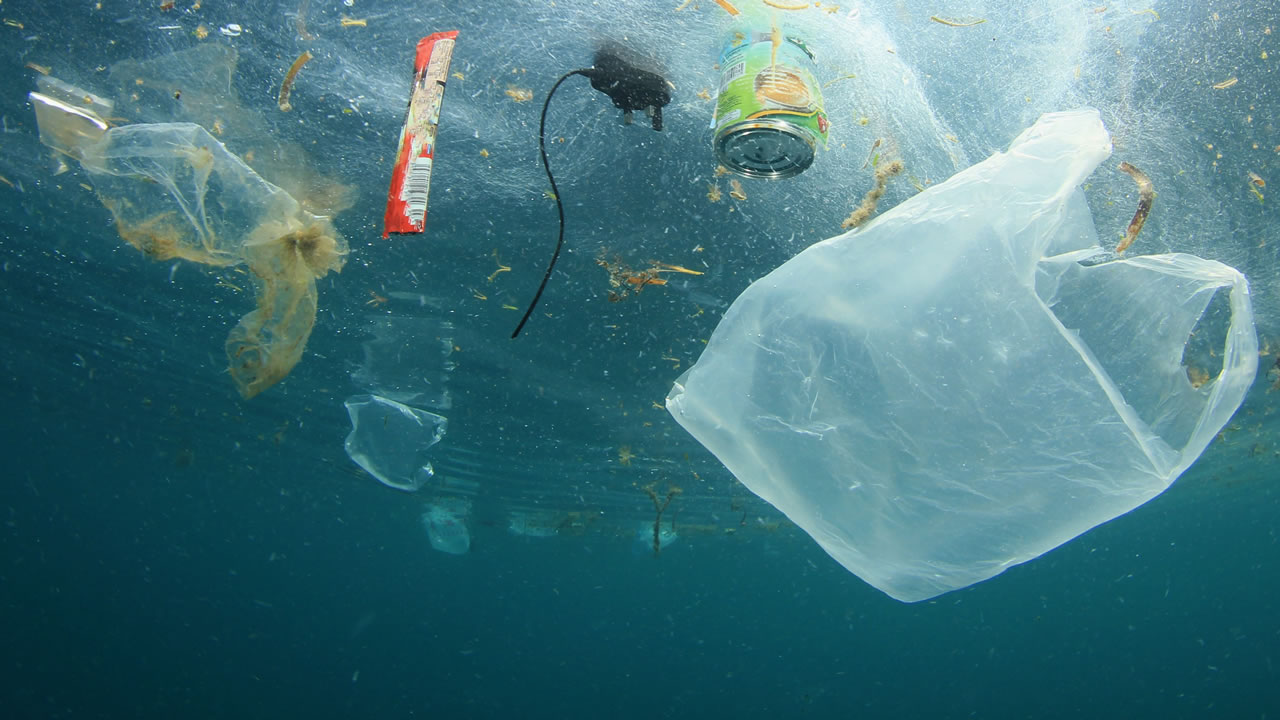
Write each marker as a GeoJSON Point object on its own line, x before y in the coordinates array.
{"type": "Point", "coordinates": [411, 178]}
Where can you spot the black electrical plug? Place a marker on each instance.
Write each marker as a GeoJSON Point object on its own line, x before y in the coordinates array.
{"type": "Point", "coordinates": [629, 87]}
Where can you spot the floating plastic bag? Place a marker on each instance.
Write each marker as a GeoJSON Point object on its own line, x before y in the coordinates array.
{"type": "Point", "coordinates": [446, 525]}
{"type": "Point", "coordinates": [955, 389]}
{"type": "Point", "coordinates": [391, 440]}
{"type": "Point", "coordinates": [176, 192]}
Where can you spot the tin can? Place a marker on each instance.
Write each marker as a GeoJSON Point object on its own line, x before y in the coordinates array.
{"type": "Point", "coordinates": [769, 114]}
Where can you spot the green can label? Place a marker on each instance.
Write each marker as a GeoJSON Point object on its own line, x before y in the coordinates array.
{"type": "Point", "coordinates": [767, 86]}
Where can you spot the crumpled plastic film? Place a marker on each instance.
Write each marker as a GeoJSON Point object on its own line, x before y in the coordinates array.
{"type": "Point", "coordinates": [176, 192]}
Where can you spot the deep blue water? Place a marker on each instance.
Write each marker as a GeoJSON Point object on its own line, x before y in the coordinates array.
{"type": "Point", "coordinates": [170, 550]}
{"type": "Point", "coordinates": [132, 588]}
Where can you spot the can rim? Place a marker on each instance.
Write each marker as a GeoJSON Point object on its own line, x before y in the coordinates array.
{"type": "Point", "coordinates": [791, 130]}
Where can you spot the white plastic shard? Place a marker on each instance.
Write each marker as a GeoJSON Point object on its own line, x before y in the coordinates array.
{"type": "Point", "coordinates": [969, 381]}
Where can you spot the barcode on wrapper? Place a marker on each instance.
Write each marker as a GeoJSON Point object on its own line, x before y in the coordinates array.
{"type": "Point", "coordinates": [417, 183]}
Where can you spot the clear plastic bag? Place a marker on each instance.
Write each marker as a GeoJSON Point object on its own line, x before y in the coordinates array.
{"type": "Point", "coordinates": [968, 382]}
{"type": "Point", "coordinates": [446, 523]}
{"type": "Point", "coordinates": [176, 192]}
{"type": "Point", "coordinates": [392, 441]}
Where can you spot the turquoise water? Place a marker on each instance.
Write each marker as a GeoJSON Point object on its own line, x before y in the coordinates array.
{"type": "Point", "coordinates": [171, 550]}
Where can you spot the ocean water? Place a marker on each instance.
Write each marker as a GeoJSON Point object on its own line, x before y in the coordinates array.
{"type": "Point", "coordinates": [170, 549]}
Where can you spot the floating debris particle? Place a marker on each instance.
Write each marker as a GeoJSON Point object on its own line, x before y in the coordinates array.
{"type": "Point", "coordinates": [872, 155]}
{"type": "Point", "coordinates": [786, 6]}
{"type": "Point", "coordinates": [624, 280]}
{"type": "Point", "coordinates": [659, 508]}
{"type": "Point", "coordinates": [1145, 196]}
{"type": "Point", "coordinates": [713, 193]}
{"type": "Point", "coordinates": [957, 23]}
{"type": "Point", "coordinates": [501, 268]}
{"type": "Point", "coordinates": [286, 88]}
{"type": "Point", "coordinates": [728, 7]}
{"type": "Point", "coordinates": [829, 83]}
{"type": "Point", "coordinates": [864, 211]}
{"type": "Point", "coordinates": [519, 94]}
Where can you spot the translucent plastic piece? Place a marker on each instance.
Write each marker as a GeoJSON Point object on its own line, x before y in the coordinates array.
{"type": "Point", "coordinates": [69, 117]}
{"type": "Point", "coordinates": [392, 440]}
{"type": "Point", "coordinates": [956, 389]}
{"type": "Point", "coordinates": [408, 359]}
{"type": "Point", "coordinates": [531, 523]}
{"type": "Point", "coordinates": [176, 192]}
{"type": "Point", "coordinates": [647, 543]}
{"type": "Point", "coordinates": [446, 525]}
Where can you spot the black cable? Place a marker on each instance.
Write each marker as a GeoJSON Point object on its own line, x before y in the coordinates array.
{"type": "Point", "coordinates": [555, 192]}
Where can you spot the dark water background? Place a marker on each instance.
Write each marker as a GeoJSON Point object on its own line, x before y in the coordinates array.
{"type": "Point", "coordinates": [168, 550]}
{"type": "Point", "coordinates": [236, 587]}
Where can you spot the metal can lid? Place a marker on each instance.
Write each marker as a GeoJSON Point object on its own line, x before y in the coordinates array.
{"type": "Point", "coordinates": [766, 148]}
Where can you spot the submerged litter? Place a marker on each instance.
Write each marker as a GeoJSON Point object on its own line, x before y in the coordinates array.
{"type": "Point", "coordinates": [446, 524]}
{"type": "Point", "coordinates": [960, 385]}
{"type": "Point", "coordinates": [176, 192]}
